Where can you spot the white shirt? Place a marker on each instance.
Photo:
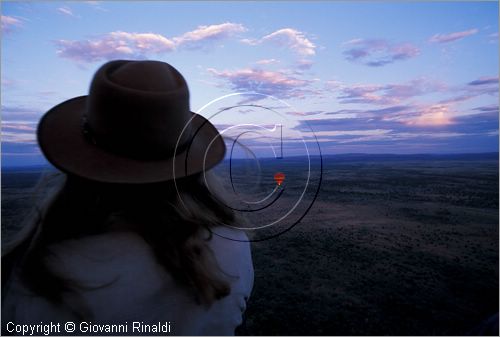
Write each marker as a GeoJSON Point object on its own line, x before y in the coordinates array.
{"type": "Point", "coordinates": [139, 290]}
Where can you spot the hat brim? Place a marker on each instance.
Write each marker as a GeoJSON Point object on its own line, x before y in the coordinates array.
{"type": "Point", "coordinates": [63, 143]}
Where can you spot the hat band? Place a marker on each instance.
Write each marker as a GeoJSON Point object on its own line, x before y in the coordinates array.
{"type": "Point", "coordinates": [92, 138]}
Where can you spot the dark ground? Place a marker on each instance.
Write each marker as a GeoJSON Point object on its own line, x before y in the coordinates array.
{"type": "Point", "coordinates": [392, 246]}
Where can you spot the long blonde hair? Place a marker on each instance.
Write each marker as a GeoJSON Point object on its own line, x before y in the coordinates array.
{"type": "Point", "coordinates": [171, 227]}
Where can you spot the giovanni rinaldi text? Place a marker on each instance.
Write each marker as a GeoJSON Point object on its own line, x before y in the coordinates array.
{"type": "Point", "coordinates": [87, 327]}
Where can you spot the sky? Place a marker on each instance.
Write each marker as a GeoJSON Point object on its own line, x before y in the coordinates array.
{"type": "Point", "coordinates": [355, 77]}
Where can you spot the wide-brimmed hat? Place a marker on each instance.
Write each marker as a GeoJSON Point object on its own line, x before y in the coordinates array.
{"type": "Point", "coordinates": [135, 126]}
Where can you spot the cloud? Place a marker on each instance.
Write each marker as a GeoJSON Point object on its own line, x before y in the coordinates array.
{"type": "Point", "coordinates": [364, 132]}
{"type": "Point", "coordinates": [20, 113]}
{"type": "Point", "coordinates": [473, 89]}
{"type": "Point", "coordinates": [392, 113]}
{"type": "Point", "coordinates": [417, 115]}
{"type": "Point", "coordinates": [387, 94]}
{"type": "Point", "coordinates": [333, 85]}
{"type": "Point", "coordinates": [19, 131]}
{"type": "Point", "coordinates": [304, 64]}
{"type": "Point", "coordinates": [401, 118]}
{"type": "Point", "coordinates": [305, 113]}
{"type": "Point", "coordinates": [209, 33]}
{"type": "Point", "coordinates": [434, 115]}
{"type": "Point", "coordinates": [288, 38]}
{"type": "Point", "coordinates": [114, 45]}
{"type": "Point", "coordinates": [121, 44]}
{"type": "Point", "coordinates": [484, 81]}
{"type": "Point", "coordinates": [267, 61]}
{"type": "Point", "coordinates": [479, 123]}
{"type": "Point", "coordinates": [65, 11]}
{"type": "Point", "coordinates": [397, 123]}
{"type": "Point", "coordinates": [10, 23]}
{"type": "Point", "coordinates": [274, 83]}
{"type": "Point", "coordinates": [416, 87]}
{"type": "Point", "coordinates": [363, 93]}
{"type": "Point", "coordinates": [488, 109]}
{"type": "Point", "coordinates": [145, 42]}
{"type": "Point", "coordinates": [19, 126]}
{"type": "Point", "coordinates": [445, 38]}
{"type": "Point", "coordinates": [399, 109]}
{"type": "Point", "coordinates": [378, 52]}
{"type": "Point", "coordinates": [460, 98]}
{"type": "Point", "coordinates": [483, 86]}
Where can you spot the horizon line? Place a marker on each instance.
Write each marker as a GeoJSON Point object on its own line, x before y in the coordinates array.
{"type": "Point", "coordinates": [323, 155]}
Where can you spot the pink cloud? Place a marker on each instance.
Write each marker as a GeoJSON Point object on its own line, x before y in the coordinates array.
{"type": "Point", "coordinates": [267, 61]}
{"type": "Point", "coordinates": [65, 11]}
{"type": "Point", "coordinates": [388, 93]}
{"type": "Point", "coordinates": [121, 44]}
{"type": "Point", "coordinates": [145, 42]}
{"type": "Point", "coordinates": [434, 115]}
{"type": "Point", "coordinates": [445, 38]}
{"type": "Point", "coordinates": [114, 45]}
{"type": "Point", "coordinates": [9, 23]}
{"type": "Point", "coordinates": [19, 126]}
{"type": "Point", "coordinates": [14, 137]}
{"type": "Point", "coordinates": [212, 32]}
{"type": "Point", "coordinates": [288, 38]}
{"type": "Point", "coordinates": [378, 52]}
{"type": "Point", "coordinates": [363, 93]}
{"type": "Point", "coordinates": [275, 83]}
{"type": "Point", "coordinates": [19, 131]}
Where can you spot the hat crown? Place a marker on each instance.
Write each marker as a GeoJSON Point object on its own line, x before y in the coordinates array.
{"type": "Point", "coordinates": [145, 76]}
{"type": "Point", "coordinates": [139, 109]}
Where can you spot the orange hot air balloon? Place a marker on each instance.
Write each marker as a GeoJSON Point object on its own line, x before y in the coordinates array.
{"type": "Point", "coordinates": [279, 177]}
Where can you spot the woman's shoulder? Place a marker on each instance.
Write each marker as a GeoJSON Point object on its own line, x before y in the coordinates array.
{"type": "Point", "coordinates": [106, 258]}
{"type": "Point", "coordinates": [230, 235]}
{"type": "Point", "coordinates": [232, 250]}
{"type": "Point", "coordinates": [126, 244]}
{"type": "Point", "coordinates": [230, 245]}
{"type": "Point", "coordinates": [119, 254]}
{"type": "Point", "coordinates": [117, 245]}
